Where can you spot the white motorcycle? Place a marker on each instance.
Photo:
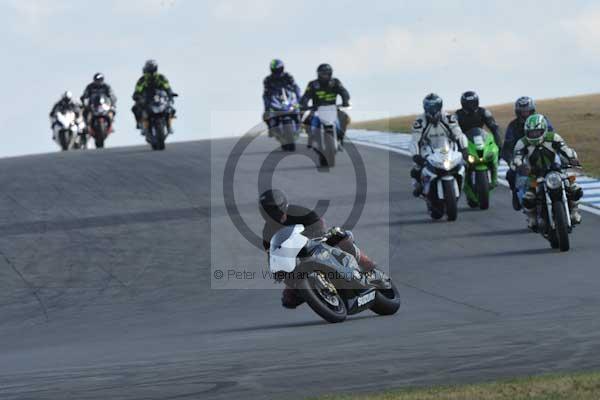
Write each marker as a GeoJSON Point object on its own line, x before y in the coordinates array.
{"type": "Point", "coordinates": [68, 131]}
{"type": "Point", "coordinates": [327, 136]}
{"type": "Point", "coordinates": [442, 178]}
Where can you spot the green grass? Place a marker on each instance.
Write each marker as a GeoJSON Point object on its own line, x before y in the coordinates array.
{"type": "Point", "coordinates": [577, 386]}
{"type": "Point", "coordinates": [576, 118]}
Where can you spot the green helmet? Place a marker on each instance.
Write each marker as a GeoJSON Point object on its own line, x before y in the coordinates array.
{"type": "Point", "coordinates": [536, 126]}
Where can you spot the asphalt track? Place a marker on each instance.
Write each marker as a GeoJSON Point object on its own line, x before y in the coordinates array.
{"type": "Point", "coordinates": [106, 261]}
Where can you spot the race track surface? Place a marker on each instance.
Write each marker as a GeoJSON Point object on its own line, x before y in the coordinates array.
{"type": "Point", "coordinates": [105, 283]}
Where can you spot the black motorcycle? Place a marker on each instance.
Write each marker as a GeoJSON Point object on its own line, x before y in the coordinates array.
{"type": "Point", "coordinates": [156, 118]}
{"type": "Point", "coordinates": [328, 278]}
{"type": "Point", "coordinates": [553, 212]}
{"type": "Point", "coordinates": [101, 116]}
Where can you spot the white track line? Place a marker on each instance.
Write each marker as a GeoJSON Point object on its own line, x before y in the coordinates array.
{"type": "Point", "coordinates": [374, 140]}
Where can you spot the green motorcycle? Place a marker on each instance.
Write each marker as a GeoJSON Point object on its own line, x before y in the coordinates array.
{"type": "Point", "coordinates": [482, 168]}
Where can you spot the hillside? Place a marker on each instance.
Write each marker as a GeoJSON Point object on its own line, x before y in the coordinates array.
{"type": "Point", "coordinates": [577, 118]}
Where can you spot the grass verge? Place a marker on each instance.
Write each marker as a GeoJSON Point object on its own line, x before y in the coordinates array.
{"type": "Point", "coordinates": [576, 118]}
{"type": "Point", "coordinates": [577, 386]}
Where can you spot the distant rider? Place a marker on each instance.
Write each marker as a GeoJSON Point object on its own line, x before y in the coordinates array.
{"type": "Point", "coordinates": [324, 91]}
{"type": "Point", "coordinates": [471, 115]}
{"type": "Point", "coordinates": [273, 85]}
{"type": "Point", "coordinates": [98, 86]}
{"type": "Point", "coordinates": [278, 213]}
{"type": "Point", "coordinates": [524, 108]}
{"type": "Point", "coordinates": [65, 104]}
{"type": "Point", "coordinates": [434, 122]}
{"type": "Point", "coordinates": [148, 83]}
{"type": "Point", "coordinates": [535, 153]}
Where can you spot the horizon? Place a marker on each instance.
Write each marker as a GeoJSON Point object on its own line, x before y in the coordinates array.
{"type": "Point", "coordinates": [216, 53]}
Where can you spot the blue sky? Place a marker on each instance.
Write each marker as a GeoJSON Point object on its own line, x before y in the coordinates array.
{"type": "Point", "coordinates": [389, 54]}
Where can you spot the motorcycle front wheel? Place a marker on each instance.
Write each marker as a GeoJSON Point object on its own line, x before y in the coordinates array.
{"type": "Point", "coordinates": [450, 200]}
{"type": "Point", "coordinates": [328, 305]}
{"type": "Point", "coordinates": [482, 183]}
{"type": "Point", "coordinates": [561, 225]}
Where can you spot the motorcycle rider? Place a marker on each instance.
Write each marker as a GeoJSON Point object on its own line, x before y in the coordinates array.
{"type": "Point", "coordinates": [538, 148]}
{"type": "Point", "coordinates": [324, 91]}
{"type": "Point", "coordinates": [65, 104]}
{"type": "Point", "coordinates": [434, 122]}
{"type": "Point", "coordinates": [273, 84]}
{"type": "Point", "coordinates": [150, 81]}
{"type": "Point", "coordinates": [277, 213]}
{"type": "Point", "coordinates": [524, 108]}
{"type": "Point", "coordinates": [97, 86]}
{"type": "Point", "coordinates": [471, 115]}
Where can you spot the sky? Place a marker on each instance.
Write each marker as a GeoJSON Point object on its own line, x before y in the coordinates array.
{"type": "Point", "coordinates": [389, 54]}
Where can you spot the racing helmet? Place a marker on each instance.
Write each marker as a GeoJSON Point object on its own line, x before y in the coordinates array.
{"type": "Point", "coordinates": [273, 205]}
{"type": "Point", "coordinates": [536, 127]}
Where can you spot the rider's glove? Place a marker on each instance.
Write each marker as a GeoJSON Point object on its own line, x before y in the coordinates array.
{"type": "Point", "coordinates": [335, 235]}
{"type": "Point", "coordinates": [266, 116]}
{"type": "Point", "coordinates": [417, 159]}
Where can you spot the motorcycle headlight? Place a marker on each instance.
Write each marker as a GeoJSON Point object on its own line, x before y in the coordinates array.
{"type": "Point", "coordinates": [471, 159]}
{"type": "Point", "coordinates": [553, 180]}
{"type": "Point", "coordinates": [446, 164]}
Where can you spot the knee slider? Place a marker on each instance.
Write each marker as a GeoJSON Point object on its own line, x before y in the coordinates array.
{"type": "Point", "coordinates": [529, 201]}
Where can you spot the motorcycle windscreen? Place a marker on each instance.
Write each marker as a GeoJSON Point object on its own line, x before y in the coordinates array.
{"type": "Point", "coordinates": [328, 114]}
{"type": "Point", "coordinates": [285, 247]}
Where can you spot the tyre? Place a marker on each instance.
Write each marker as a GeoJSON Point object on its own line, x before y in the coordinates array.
{"type": "Point", "coordinates": [159, 134]}
{"type": "Point", "coordinates": [450, 200]}
{"type": "Point", "coordinates": [387, 301]}
{"type": "Point", "coordinates": [100, 131]}
{"type": "Point", "coordinates": [561, 225]}
{"type": "Point", "coordinates": [330, 149]}
{"type": "Point", "coordinates": [482, 185]}
{"type": "Point", "coordinates": [330, 307]}
{"type": "Point", "coordinates": [63, 140]}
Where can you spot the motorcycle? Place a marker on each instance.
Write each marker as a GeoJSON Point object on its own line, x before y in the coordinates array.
{"type": "Point", "coordinates": [327, 136]}
{"type": "Point", "coordinates": [156, 119]}
{"type": "Point", "coordinates": [68, 131]}
{"type": "Point", "coordinates": [553, 212]}
{"type": "Point", "coordinates": [442, 178]}
{"type": "Point", "coordinates": [329, 279]}
{"type": "Point", "coordinates": [482, 160]}
{"type": "Point", "coordinates": [101, 117]}
{"type": "Point", "coordinates": [284, 118]}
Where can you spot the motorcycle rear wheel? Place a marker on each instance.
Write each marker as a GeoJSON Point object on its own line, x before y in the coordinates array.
{"type": "Point", "coordinates": [387, 301]}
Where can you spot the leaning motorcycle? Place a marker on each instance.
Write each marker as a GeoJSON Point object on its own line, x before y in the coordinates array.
{"type": "Point", "coordinates": [552, 210]}
{"type": "Point", "coordinates": [68, 131]}
{"type": "Point", "coordinates": [482, 161]}
{"type": "Point", "coordinates": [156, 119]}
{"type": "Point", "coordinates": [284, 118]}
{"type": "Point", "coordinates": [101, 117]}
{"type": "Point", "coordinates": [442, 178]}
{"type": "Point", "coordinates": [329, 279]}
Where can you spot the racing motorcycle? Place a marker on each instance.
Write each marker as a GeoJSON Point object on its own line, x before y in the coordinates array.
{"type": "Point", "coordinates": [284, 118]}
{"type": "Point", "coordinates": [329, 279]}
{"type": "Point", "coordinates": [68, 130]}
{"type": "Point", "coordinates": [156, 119]}
{"type": "Point", "coordinates": [327, 135]}
{"type": "Point", "coordinates": [101, 117]}
{"type": "Point", "coordinates": [442, 178]}
{"type": "Point", "coordinates": [553, 213]}
{"type": "Point", "coordinates": [482, 160]}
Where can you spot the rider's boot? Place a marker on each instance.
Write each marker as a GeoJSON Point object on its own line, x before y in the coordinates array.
{"type": "Point", "coordinates": [290, 298]}
{"type": "Point", "coordinates": [417, 189]}
{"type": "Point", "coordinates": [575, 214]}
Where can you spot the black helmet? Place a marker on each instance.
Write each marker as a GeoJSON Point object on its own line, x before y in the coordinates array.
{"type": "Point", "coordinates": [524, 107]}
{"type": "Point", "coordinates": [150, 67]}
{"type": "Point", "coordinates": [324, 72]}
{"type": "Point", "coordinates": [273, 205]}
{"type": "Point", "coordinates": [67, 97]}
{"type": "Point", "coordinates": [432, 104]}
{"type": "Point", "coordinates": [469, 101]}
{"type": "Point", "coordinates": [99, 78]}
{"type": "Point", "coordinates": [277, 67]}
